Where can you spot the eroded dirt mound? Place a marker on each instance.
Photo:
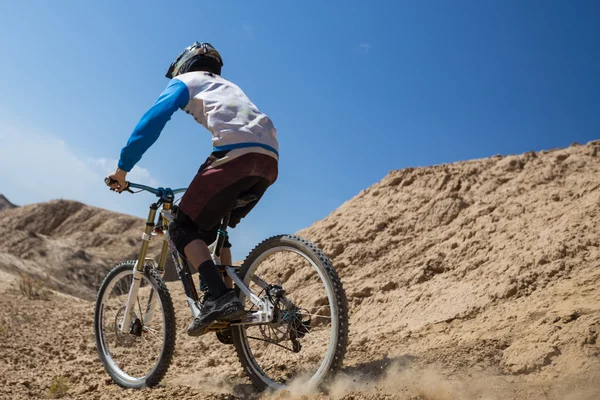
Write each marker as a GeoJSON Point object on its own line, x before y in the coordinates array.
{"type": "Point", "coordinates": [69, 244]}
{"type": "Point", "coordinates": [473, 280]}
{"type": "Point", "coordinates": [486, 264]}
{"type": "Point", "coordinates": [5, 204]}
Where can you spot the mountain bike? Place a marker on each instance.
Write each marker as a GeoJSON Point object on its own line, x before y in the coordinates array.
{"type": "Point", "coordinates": [296, 321]}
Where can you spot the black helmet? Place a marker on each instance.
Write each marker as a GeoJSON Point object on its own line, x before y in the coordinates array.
{"type": "Point", "coordinates": [195, 51]}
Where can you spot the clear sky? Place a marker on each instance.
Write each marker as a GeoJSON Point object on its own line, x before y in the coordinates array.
{"type": "Point", "coordinates": [355, 89]}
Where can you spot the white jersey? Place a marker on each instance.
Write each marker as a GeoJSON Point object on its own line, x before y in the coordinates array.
{"type": "Point", "coordinates": [219, 105]}
{"type": "Point", "coordinates": [223, 108]}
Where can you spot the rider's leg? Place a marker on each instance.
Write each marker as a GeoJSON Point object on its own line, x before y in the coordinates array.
{"type": "Point", "coordinates": [191, 242]}
{"type": "Point", "coordinates": [226, 260]}
{"type": "Point", "coordinates": [208, 198]}
{"type": "Point", "coordinates": [226, 256]}
{"type": "Point", "coordinates": [197, 253]}
{"type": "Point", "coordinates": [222, 304]}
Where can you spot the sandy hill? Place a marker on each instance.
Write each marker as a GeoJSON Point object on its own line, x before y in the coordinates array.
{"type": "Point", "coordinates": [484, 264]}
{"type": "Point", "coordinates": [5, 204]}
{"type": "Point", "coordinates": [68, 243]}
{"type": "Point", "coordinates": [472, 280]}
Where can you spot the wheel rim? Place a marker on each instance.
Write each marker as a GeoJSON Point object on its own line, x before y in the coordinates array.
{"type": "Point", "coordinates": [130, 357]}
{"type": "Point", "coordinates": [318, 369]}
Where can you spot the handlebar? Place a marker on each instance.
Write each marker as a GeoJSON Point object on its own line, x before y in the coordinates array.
{"type": "Point", "coordinates": [158, 192]}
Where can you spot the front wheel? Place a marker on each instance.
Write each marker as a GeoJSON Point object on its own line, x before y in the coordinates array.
{"type": "Point", "coordinates": [307, 339]}
{"type": "Point", "coordinates": [139, 358]}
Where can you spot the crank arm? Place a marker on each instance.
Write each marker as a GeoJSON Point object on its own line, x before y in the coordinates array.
{"type": "Point", "coordinates": [256, 318]}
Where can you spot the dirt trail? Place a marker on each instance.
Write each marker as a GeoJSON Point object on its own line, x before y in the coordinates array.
{"type": "Point", "coordinates": [472, 280]}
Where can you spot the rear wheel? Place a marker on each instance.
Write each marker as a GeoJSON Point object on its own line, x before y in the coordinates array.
{"type": "Point", "coordinates": [139, 358]}
{"type": "Point", "coordinates": [308, 338]}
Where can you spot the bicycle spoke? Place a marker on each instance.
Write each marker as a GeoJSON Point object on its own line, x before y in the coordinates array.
{"type": "Point", "coordinates": [150, 329]}
{"type": "Point", "coordinates": [148, 344]}
{"type": "Point", "coordinates": [314, 337]}
{"type": "Point", "coordinates": [121, 288]}
{"type": "Point", "coordinates": [279, 360]}
{"type": "Point", "coordinates": [154, 334]}
{"type": "Point", "coordinates": [285, 264]}
{"type": "Point", "coordinates": [317, 315]}
{"type": "Point", "coordinates": [119, 300]}
{"type": "Point", "coordinates": [107, 306]}
{"type": "Point", "coordinates": [139, 306]}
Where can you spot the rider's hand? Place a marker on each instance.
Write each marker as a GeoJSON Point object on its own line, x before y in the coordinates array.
{"type": "Point", "coordinates": [119, 176]}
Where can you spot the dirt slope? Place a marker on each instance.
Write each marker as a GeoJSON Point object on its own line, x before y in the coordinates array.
{"type": "Point", "coordinates": [5, 204]}
{"type": "Point", "coordinates": [486, 264]}
{"type": "Point", "coordinates": [473, 280]}
{"type": "Point", "coordinates": [68, 243]}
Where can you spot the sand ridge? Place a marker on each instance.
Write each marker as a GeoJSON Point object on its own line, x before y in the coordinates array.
{"type": "Point", "coordinates": [471, 280]}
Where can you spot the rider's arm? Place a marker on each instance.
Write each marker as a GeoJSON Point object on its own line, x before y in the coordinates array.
{"type": "Point", "coordinates": [148, 129]}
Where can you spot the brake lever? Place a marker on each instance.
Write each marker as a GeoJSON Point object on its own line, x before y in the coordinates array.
{"type": "Point", "coordinates": [109, 181]}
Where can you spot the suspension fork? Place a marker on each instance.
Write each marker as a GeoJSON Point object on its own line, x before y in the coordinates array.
{"type": "Point", "coordinates": [138, 270]}
{"type": "Point", "coordinates": [160, 266]}
{"type": "Point", "coordinates": [153, 298]}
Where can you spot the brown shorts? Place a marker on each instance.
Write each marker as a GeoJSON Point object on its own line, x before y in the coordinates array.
{"type": "Point", "coordinates": [213, 191]}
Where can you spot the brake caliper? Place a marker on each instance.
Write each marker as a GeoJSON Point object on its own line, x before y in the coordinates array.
{"type": "Point", "coordinates": [136, 327]}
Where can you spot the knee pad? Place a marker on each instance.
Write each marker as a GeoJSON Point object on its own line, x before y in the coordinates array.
{"type": "Point", "coordinates": [183, 231]}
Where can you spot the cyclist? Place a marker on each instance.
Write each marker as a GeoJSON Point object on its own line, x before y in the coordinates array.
{"type": "Point", "coordinates": [244, 160]}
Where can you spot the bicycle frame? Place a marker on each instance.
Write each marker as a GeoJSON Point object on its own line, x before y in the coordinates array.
{"type": "Point", "coordinates": [154, 229]}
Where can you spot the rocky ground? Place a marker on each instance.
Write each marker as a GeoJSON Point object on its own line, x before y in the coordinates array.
{"type": "Point", "coordinates": [472, 280]}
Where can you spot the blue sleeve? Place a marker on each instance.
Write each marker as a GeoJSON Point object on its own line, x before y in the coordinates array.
{"type": "Point", "coordinates": [148, 129]}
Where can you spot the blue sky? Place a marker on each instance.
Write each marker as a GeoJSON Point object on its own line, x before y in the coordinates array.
{"type": "Point", "coordinates": [355, 89]}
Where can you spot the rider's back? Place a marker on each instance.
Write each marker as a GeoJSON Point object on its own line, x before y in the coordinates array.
{"type": "Point", "coordinates": [224, 109]}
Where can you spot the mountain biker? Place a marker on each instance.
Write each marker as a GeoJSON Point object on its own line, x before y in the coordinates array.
{"type": "Point", "coordinates": [244, 160]}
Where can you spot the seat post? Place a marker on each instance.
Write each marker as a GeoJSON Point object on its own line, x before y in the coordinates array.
{"type": "Point", "coordinates": [222, 233]}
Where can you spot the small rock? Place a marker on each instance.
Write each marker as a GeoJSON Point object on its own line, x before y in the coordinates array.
{"type": "Point", "coordinates": [340, 265]}
{"type": "Point", "coordinates": [381, 226]}
{"type": "Point", "coordinates": [525, 357]}
{"type": "Point", "coordinates": [592, 336]}
{"type": "Point", "coordinates": [543, 260]}
{"type": "Point", "coordinates": [364, 292]}
{"type": "Point", "coordinates": [391, 285]}
{"type": "Point", "coordinates": [510, 291]}
{"type": "Point", "coordinates": [571, 317]}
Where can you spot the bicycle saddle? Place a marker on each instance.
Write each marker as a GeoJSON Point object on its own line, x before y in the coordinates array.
{"type": "Point", "coordinates": [244, 200]}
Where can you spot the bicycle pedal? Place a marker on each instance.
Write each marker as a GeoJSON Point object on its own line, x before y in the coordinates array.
{"type": "Point", "coordinates": [217, 326]}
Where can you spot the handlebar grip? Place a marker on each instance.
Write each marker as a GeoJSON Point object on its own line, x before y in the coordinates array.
{"type": "Point", "coordinates": [108, 181]}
